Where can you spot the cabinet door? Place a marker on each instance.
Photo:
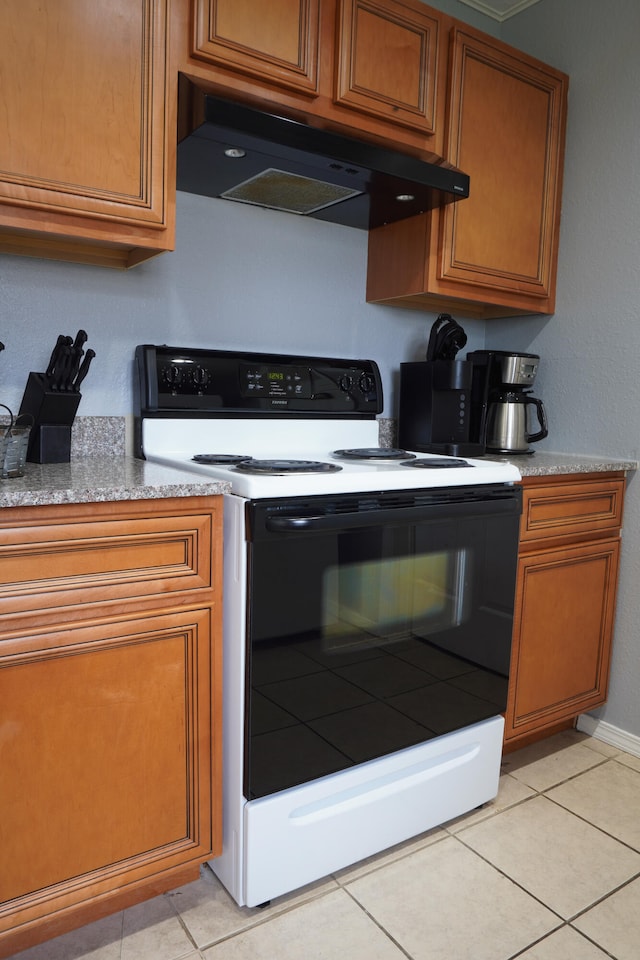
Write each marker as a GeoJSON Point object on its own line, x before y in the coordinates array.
{"type": "Point", "coordinates": [107, 757]}
{"type": "Point", "coordinates": [506, 124]}
{"type": "Point", "coordinates": [565, 606]}
{"type": "Point", "coordinates": [82, 97]}
{"type": "Point", "coordinates": [493, 254]}
{"type": "Point", "coordinates": [275, 42]}
{"type": "Point", "coordinates": [386, 61]}
{"type": "Point", "coordinates": [83, 154]}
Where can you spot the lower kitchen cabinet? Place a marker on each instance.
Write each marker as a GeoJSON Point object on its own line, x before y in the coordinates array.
{"type": "Point", "coordinates": [565, 602]}
{"type": "Point", "coordinates": [110, 708]}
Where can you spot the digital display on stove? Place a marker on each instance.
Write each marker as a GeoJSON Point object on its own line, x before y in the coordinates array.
{"type": "Point", "coordinates": [286, 382]}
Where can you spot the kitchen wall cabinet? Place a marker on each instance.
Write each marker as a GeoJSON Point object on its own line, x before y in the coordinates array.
{"type": "Point", "coordinates": [110, 706]}
{"type": "Point", "coordinates": [495, 253]}
{"type": "Point", "coordinates": [372, 68]}
{"type": "Point", "coordinates": [386, 62]}
{"type": "Point", "coordinates": [565, 601]}
{"type": "Point", "coordinates": [88, 115]}
{"type": "Point", "coordinates": [273, 43]}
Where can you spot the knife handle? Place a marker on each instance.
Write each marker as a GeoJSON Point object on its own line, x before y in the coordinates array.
{"type": "Point", "coordinates": [84, 369]}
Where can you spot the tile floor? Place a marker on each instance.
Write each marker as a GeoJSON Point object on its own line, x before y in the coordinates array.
{"type": "Point", "coordinates": [549, 871]}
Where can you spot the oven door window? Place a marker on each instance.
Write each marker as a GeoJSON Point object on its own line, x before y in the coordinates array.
{"type": "Point", "coordinates": [363, 641]}
{"type": "Point", "coordinates": [393, 598]}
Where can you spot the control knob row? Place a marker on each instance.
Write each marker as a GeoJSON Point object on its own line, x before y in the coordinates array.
{"type": "Point", "coordinates": [174, 375]}
{"type": "Point", "coordinates": [365, 382]}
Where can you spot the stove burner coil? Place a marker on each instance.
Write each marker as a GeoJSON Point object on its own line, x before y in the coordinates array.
{"type": "Point", "coordinates": [436, 463]}
{"type": "Point", "coordinates": [220, 458]}
{"type": "Point", "coordinates": [275, 467]}
{"type": "Point", "coordinates": [373, 453]}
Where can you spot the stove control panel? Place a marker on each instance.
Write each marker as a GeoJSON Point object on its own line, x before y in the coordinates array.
{"type": "Point", "coordinates": [278, 381]}
{"type": "Point", "coordinates": [194, 381]}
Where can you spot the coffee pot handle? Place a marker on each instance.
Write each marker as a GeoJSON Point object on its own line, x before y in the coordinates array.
{"type": "Point", "coordinates": [542, 420]}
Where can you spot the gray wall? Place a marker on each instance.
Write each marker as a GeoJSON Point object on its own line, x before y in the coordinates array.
{"type": "Point", "coordinates": [589, 369]}
{"type": "Point", "coordinates": [242, 278]}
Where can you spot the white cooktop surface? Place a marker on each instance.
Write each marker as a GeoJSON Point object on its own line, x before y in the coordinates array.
{"type": "Point", "coordinates": [175, 442]}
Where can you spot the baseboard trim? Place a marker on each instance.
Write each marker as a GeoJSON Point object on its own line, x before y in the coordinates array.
{"type": "Point", "coordinates": [606, 732]}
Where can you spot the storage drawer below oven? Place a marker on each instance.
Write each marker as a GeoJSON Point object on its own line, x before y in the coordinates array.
{"type": "Point", "coordinates": [300, 835]}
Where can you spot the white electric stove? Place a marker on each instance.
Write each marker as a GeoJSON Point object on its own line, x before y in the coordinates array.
{"type": "Point", "coordinates": [368, 604]}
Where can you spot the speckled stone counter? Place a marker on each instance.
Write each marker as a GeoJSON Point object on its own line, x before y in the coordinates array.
{"type": "Point", "coordinates": [99, 479]}
{"type": "Point", "coordinates": [94, 476]}
{"type": "Point", "coordinates": [537, 464]}
{"type": "Point", "coordinates": [541, 464]}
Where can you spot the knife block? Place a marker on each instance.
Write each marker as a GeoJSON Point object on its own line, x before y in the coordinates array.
{"type": "Point", "coordinates": [53, 412]}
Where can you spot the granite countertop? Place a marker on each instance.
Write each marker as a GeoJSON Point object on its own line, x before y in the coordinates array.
{"type": "Point", "coordinates": [99, 479]}
{"type": "Point", "coordinates": [542, 464]}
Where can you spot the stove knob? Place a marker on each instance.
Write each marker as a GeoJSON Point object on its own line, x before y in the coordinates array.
{"type": "Point", "coordinates": [366, 383]}
{"type": "Point", "coordinates": [346, 383]}
{"type": "Point", "coordinates": [172, 375]}
{"type": "Point", "coordinates": [200, 377]}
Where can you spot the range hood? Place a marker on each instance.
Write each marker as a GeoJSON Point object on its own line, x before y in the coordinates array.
{"type": "Point", "coordinates": [239, 153]}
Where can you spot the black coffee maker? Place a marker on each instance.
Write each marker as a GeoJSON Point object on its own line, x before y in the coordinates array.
{"type": "Point", "coordinates": [435, 396]}
{"type": "Point", "coordinates": [501, 401]}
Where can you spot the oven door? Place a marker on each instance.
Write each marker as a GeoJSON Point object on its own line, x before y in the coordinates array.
{"type": "Point", "coordinates": [375, 622]}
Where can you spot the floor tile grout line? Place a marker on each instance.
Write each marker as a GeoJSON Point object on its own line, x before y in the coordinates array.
{"type": "Point", "coordinates": [535, 943]}
{"type": "Point", "coordinates": [566, 921]}
{"type": "Point", "coordinates": [566, 779]}
{"type": "Point", "coordinates": [595, 943]}
{"type": "Point", "coordinates": [514, 882]}
{"type": "Point", "coordinates": [377, 923]}
{"type": "Point", "coordinates": [343, 883]}
{"type": "Point", "coordinates": [168, 896]}
{"type": "Point", "coordinates": [490, 815]}
{"type": "Point", "coordinates": [605, 896]}
{"type": "Point", "coordinates": [590, 823]}
{"type": "Point", "coordinates": [259, 921]}
{"type": "Point", "coordinates": [551, 933]}
{"type": "Point", "coordinates": [121, 935]}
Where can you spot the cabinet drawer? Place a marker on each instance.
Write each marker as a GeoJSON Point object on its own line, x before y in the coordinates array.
{"type": "Point", "coordinates": [52, 559]}
{"type": "Point", "coordinates": [562, 508]}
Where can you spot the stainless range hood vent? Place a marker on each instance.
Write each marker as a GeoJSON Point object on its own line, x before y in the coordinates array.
{"type": "Point", "coordinates": [279, 190]}
{"type": "Point", "coordinates": [232, 151]}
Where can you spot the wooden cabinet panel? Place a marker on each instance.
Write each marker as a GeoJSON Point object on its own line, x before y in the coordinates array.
{"type": "Point", "coordinates": [373, 69]}
{"type": "Point", "coordinates": [495, 253]}
{"type": "Point", "coordinates": [276, 42]}
{"type": "Point", "coordinates": [110, 708]}
{"type": "Point", "coordinates": [565, 601]}
{"type": "Point", "coordinates": [78, 562]}
{"type": "Point", "coordinates": [571, 509]}
{"type": "Point", "coordinates": [387, 56]}
{"type": "Point", "coordinates": [565, 607]}
{"type": "Point", "coordinates": [107, 752]}
{"type": "Point", "coordinates": [506, 132]}
{"type": "Point", "coordinates": [83, 97]}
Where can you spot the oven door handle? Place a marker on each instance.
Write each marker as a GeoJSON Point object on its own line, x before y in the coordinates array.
{"type": "Point", "coordinates": [426, 514]}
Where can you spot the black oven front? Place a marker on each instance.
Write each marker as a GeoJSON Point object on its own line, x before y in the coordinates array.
{"type": "Point", "coordinates": [375, 622]}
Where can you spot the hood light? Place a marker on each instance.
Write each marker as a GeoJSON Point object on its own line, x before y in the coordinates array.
{"type": "Point", "coordinates": [235, 153]}
{"type": "Point", "coordinates": [405, 197]}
